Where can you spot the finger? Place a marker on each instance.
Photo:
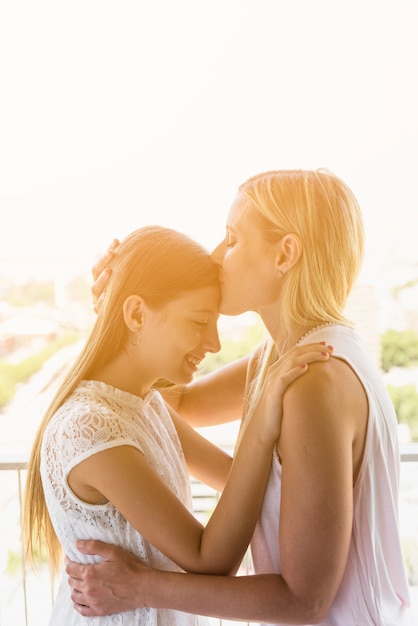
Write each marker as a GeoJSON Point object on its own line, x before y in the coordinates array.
{"type": "Point", "coordinates": [99, 284]}
{"type": "Point", "coordinates": [73, 582]}
{"type": "Point", "coordinates": [98, 302]}
{"type": "Point", "coordinates": [83, 609]}
{"type": "Point", "coordinates": [308, 349]}
{"type": "Point", "coordinates": [312, 347]}
{"type": "Point", "coordinates": [75, 572]}
{"type": "Point", "coordinates": [105, 259]}
{"type": "Point", "coordinates": [298, 351]}
{"type": "Point", "coordinates": [101, 264]}
{"type": "Point", "coordinates": [285, 379]}
{"type": "Point", "coordinates": [96, 548]}
{"type": "Point", "coordinates": [283, 365]}
{"type": "Point", "coordinates": [76, 584]}
{"type": "Point", "coordinates": [71, 568]}
{"type": "Point", "coordinates": [114, 245]}
{"type": "Point", "coordinates": [311, 357]}
{"type": "Point", "coordinates": [77, 598]}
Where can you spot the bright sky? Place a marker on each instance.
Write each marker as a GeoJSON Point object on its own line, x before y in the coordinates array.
{"type": "Point", "coordinates": [115, 115]}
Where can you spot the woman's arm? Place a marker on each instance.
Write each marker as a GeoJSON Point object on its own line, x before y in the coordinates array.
{"type": "Point", "coordinates": [122, 583]}
{"type": "Point", "coordinates": [324, 420]}
{"type": "Point", "coordinates": [205, 461]}
{"type": "Point", "coordinates": [215, 398]}
{"type": "Point", "coordinates": [123, 476]}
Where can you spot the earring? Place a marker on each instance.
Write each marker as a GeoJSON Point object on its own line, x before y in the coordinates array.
{"type": "Point", "coordinates": [135, 343]}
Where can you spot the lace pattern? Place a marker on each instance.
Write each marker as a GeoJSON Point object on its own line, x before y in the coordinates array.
{"type": "Point", "coordinates": [94, 418]}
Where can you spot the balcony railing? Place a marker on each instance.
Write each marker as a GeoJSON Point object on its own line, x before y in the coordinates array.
{"type": "Point", "coordinates": [26, 597]}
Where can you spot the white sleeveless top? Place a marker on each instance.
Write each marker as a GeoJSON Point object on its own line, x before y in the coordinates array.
{"type": "Point", "coordinates": [94, 418]}
{"type": "Point", "coordinates": [374, 590]}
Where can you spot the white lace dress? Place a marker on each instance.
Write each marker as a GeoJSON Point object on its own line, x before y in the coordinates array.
{"type": "Point", "coordinates": [95, 417]}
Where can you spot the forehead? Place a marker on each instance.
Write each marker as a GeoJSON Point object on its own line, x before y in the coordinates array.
{"type": "Point", "coordinates": [200, 300]}
{"type": "Point", "coordinates": [241, 217]}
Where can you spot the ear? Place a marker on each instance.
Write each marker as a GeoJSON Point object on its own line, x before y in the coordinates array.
{"type": "Point", "coordinates": [289, 253]}
{"type": "Point", "coordinates": [133, 312]}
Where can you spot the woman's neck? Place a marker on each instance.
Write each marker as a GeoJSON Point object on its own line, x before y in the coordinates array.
{"type": "Point", "coordinates": [283, 336]}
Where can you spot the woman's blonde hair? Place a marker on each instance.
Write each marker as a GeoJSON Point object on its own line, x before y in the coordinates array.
{"type": "Point", "coordinates": [322, 211]}
{"type": "Point", "coordinates": [155, 262]}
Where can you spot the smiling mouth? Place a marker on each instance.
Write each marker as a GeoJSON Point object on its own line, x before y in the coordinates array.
{"type": "Point", "coordinates": [193, 360]}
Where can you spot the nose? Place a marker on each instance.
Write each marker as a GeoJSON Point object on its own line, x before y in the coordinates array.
{"type": "Point", "coordinates": [218, 253]}
{"type": "Point", "coordinates": [210, 340]}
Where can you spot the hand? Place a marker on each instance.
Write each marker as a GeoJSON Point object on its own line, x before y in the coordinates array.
{"type": "Point", "coordinates": [107, 587]}
{"type": "Point", "coordinates": [268, 410]}
{"type": "Point", "coordinates": [101, 274]}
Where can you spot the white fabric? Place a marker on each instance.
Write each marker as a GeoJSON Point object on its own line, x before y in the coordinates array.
{"type": "Point", "coordinates": [374, 590]}
{"type": "Point", "coordinates": [94, 418]}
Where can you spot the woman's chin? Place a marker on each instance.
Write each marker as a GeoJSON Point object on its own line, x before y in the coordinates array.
{"type": "Point", "coordinates": [226, 308]}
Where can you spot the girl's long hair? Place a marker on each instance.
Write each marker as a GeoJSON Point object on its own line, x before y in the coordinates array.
{"type": "Point", "coordinates": [155, 262]}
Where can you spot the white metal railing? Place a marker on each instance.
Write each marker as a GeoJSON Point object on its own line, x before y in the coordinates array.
{"type": "Point", "coordinates": [26, 598]}
{"type": "Point", "coordinates": [409, 452]}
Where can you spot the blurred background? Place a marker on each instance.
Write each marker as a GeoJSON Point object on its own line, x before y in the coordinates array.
{"type": "Point", "coordinates": [113, 116]}
{"type": "Point", "coordinates": [118, 115]}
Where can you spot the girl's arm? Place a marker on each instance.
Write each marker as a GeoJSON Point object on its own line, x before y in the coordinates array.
{"type": "Point", "coordinates": [123, 476]}
{"type": "Point", "coordinates": [205, 461]}
{"type": "Point", "coordinates": [320, 446]}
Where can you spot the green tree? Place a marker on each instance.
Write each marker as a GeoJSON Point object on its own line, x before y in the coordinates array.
{"type": "Point", "coordinates": [30, 294]}
{"type": "Point", "coordinates": [12, 374]}
{"type": "Point", "coordinates": [405, 401]}
{"type": "Point", "coordinates": [399, 349]}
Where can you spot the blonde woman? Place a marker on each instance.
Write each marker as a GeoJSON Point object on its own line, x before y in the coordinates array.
{"type": "Point", "coordinates": [110, 459]}
{"type": "Point", "coordinates": [326, 549]}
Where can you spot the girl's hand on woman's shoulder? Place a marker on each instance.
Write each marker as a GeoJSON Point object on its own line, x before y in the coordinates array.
{"type": "Point", "coordinates": [268, 410]}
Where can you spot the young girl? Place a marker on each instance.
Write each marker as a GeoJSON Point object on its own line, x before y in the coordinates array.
{"type": "Point", "coordinates": [109, 460]}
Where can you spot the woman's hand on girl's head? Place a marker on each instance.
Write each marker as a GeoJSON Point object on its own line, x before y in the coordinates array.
{"type": "Point", "coordinates": [101, 274]}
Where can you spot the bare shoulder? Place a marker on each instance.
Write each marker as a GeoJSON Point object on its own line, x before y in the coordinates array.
{"type": "Point", "coordinates": [327, 404]}
{"type": "Point", "coordinates": [326, 382]}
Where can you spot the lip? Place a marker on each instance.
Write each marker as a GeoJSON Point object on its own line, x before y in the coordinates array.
{"type": "Point", "coordinates": [194, 361]}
